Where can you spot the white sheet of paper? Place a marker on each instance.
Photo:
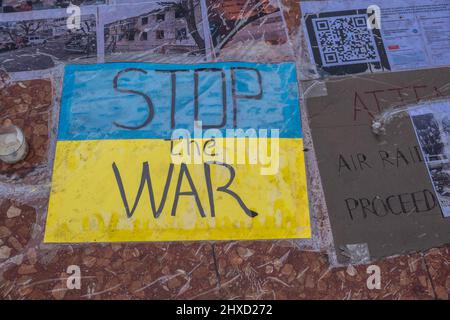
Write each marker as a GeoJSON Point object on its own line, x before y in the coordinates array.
{"type": "Point", "coordinates": [415, 33]}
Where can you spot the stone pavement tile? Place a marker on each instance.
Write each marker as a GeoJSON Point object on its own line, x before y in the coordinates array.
{"type": "Point", "coordinates": [114, 271]}
{"type": "Point", "coordinates": [271, 270]}
{"type": "Point", "coordinates": [32, 270]}
{"type": "Point", "coordinates": [292, 16]}
{"type": "Point", "coordinates": [438, 263]}
{"type": "Point", "coordinates": [16, 226]}
{"type": "Point", "coordinates": [28, 104]}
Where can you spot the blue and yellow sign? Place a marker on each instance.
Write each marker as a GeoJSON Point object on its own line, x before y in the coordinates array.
{"type": "Point", "coordinates": [158, 152]}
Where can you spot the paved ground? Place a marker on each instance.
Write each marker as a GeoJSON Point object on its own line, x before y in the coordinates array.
{"type": "Point", "coordinates": [37, 57]}
{"type": "Point", "coordinates": [198, 270]}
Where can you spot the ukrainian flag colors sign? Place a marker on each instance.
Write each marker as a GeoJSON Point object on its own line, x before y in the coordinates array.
{"type": "Point", "coordinates": [158, 152]}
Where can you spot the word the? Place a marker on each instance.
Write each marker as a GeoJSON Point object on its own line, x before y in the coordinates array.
{"type": "Point", "coordinates": [236, 147]}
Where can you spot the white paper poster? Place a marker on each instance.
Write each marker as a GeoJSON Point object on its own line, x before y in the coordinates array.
{"type": "Point", "coordinates": [432, 125]}
{"type": "Point", "coordinates": [349, 37]}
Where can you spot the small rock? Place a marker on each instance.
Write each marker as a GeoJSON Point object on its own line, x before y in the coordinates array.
{"type": "Point", "coordinates": [116, 247]}
{"type": "Point", "coordinates": [117, 264]}
{"type": "Point", "coordinates": [27, 98]}
{"type": "Point", "coordinates": [322, 285]}
{"type": "Point", "coordinates": [48, 256]}
{"type": "Point", "coordinates": [292, 276]}
{"type": "Point", "coordinates": [236, 260]}
{"type": "Point", "coordinates": [4, 232]}
{"type": "Point", "coordinates": [13, 212]}
{"type": "Point", "coordinates": [89, 261]}
{"type": "Point", "coordinates": [245, 253]}
{"type": "Point", "coordinates": [32, 256]}
{"type": "Point", "coordinates": [134, 289]}
{"type": "Point", "coordinates": [165, 270]}
{"type": "Point", "coordinates": [22, 85]}
{"type": "Point", "coordinates": [128, 254]}
{"type": "Point", "coordinates": [89, 250]}
{"type": "Point", "coordinates": [25, 291]}
{"type": "Point", "coordinates": [59, 291]}
{"type": "Point", "coordinates": [5, 252]}
{"type": "Point", "coordinates": [269, 269]}
{"type": "Point", "coordinates": [441, 292]}
{"type": "Point", "coordinates": [310, 282]}
{"type": "Point", "coordinates": [102, 262]}
{"type": "Point", "coordinates": [17, 259]}
{"type": "Point", "coordinates": [423, 281]}
{"type": "Point", "coordinates": [26, 269]}
{"type": "Point", "coordinates": [287, 269]}
{"type": "Point", "coordinates": [212, 280]}
{"type": "Point", "coordinates": [135, 285]}
{"type": "Point", "coordinates": [173, 283]}
{"type": "Point", "coordinates": [404, 278]}
{"type": "Point", "coordinates": [40, 130]}
{"type": "Point", "coordinates": [277, 264]}
{"type": "Point", "coordinates": [15, 243]}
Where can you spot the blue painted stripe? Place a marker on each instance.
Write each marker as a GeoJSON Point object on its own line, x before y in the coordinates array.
{"type": "Point", "coordinates": [93, 109]}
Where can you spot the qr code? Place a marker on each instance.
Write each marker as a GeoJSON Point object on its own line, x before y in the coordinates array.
{"type": "Point", "coordinates": [344, 40]}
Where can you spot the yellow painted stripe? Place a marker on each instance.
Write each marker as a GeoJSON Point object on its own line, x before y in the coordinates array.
{"type": "Point", "coordinates": [86, 205]}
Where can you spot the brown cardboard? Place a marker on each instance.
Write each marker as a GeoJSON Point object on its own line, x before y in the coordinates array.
{"type": "Point", "coordinates": [379, 195]}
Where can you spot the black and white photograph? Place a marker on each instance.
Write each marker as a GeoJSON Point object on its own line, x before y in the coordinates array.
{"type": "Point", "coordinates": [27, 45]}
{"type": "Point", "coordinates": [8, 6]}
{"type": "Point", "coordinates": [153, 31]}
{"type": "Point", "coordinates": [432, 126]}
{"type": "Point", "coordinates": [248, 29]}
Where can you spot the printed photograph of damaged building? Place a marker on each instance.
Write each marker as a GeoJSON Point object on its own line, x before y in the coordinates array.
{"type": "Point", "coordinates": [169, 27]}
{"type": "Point", "coordinates": [433, 132]}
{"type": "Point", "coordinates": [251, 28]}
{"type": "Point", "coordinates": [39, 44]}
{"type": "Point", "coordinates": [28, 5]}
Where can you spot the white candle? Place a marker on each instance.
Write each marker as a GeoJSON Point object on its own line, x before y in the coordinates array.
{"type": "Point", "coordinates": [13, 147]}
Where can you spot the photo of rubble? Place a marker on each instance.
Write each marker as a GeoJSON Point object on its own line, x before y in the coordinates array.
{"type": "Point", "coordinates": [8, 6]}
{"type": "Point", "coordinates": [161, 29]}
{"type": "Point", "coordinates": [248, 29]}
{"type": "Point", "coordinates": [40, 44]}
{"type": "Point", "coordinates": [433, 132]}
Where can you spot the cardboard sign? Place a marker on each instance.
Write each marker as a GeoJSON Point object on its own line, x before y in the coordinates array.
{"type": "Point", "coordinates": [154, 152]}
{"type": "Point", "coordinates": [379, 195]}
